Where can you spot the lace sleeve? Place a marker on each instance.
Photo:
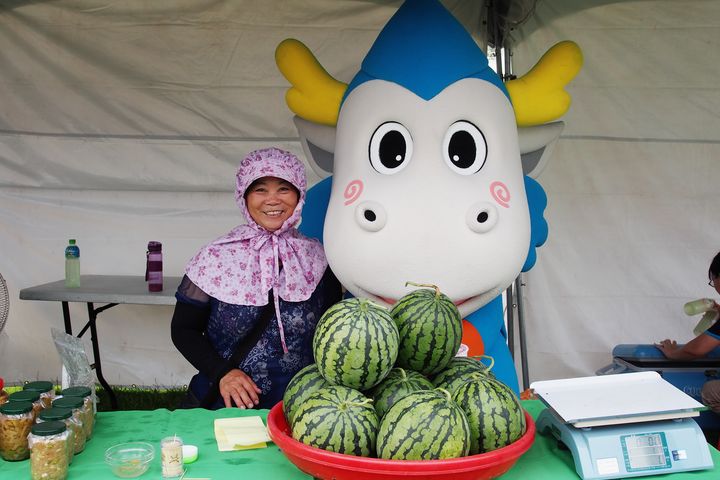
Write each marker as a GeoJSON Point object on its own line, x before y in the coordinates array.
{"type": "Point", "coordinates": [190, 293]}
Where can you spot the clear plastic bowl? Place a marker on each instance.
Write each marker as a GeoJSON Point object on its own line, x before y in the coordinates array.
{"type": "Point", "coordinates": [130, 460]}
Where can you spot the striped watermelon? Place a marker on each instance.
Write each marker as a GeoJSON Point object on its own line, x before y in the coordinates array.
{"type": "Point", "coordinates": [395, 386]}
{"type": "Point", "coordinates": [425, 425]}
{"type": "Point", "coordinates": [338, 419]}
{"type": "Point", "coordinates": [306, 382]}
{"type": "Point", "coordinates": [430, 330]}
{"type": "Point", "coordinates": [355, 344]}
{"type": "Point", "coordinates": [493, 411]}
{"type": "Point", "coordinates": [458, 372]}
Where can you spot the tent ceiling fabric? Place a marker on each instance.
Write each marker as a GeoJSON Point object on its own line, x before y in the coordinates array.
{"type": "Point", "coordinates": [123, 122]}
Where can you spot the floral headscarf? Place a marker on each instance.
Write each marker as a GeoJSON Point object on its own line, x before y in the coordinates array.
{"type": "Point", "coordinates": [242, 266]}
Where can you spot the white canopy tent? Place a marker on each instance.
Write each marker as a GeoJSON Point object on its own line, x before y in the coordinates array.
{"type": "Point", "coordinates": [123, 122]}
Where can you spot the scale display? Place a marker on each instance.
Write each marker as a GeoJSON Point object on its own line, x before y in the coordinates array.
{"type": "Point", "coordinates": [647, 451]}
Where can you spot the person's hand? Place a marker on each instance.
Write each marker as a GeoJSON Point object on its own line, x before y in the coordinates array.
{"type": "Point", "coordinates": [716, 307]}
{"type": "Point", "coordinates": [236, 386]}
{"type": "Point", "coordinates": [668, 347]}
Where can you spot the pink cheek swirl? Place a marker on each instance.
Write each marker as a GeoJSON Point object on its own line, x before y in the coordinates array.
{"type": "Point", "coordinates": [353, 191]}
{"type": "Point", "coordinates": [500, 193]}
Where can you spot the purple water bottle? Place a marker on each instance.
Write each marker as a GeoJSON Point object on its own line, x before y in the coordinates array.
{"type": "Point", "coordinates": [153, 267]}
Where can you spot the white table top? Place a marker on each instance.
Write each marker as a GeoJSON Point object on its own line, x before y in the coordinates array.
{"type": "Point", "coordinates": [615, 399]}
{"type": "Point", "coordinates": [105, 289]}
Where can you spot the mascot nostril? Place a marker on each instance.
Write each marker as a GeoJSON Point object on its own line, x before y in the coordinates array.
{"type": "Point", "coordinates": [370, 216]}
{"type": "Point", "coordinates": [482, 217]}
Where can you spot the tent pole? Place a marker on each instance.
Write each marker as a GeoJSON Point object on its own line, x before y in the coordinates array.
{"type": "Point", "coordinates": [521, 332]}
{"type": "Point", "coordinates": [510, 316]}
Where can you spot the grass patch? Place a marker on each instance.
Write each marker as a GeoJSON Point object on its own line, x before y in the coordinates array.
{"type": "Point", "coordinates": [141, 397]}
{"type": "Point", "coordinates": [133, 397]}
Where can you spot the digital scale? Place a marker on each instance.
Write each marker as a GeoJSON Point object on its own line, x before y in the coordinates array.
{"type": "Point", "coordinates": [622, 426]}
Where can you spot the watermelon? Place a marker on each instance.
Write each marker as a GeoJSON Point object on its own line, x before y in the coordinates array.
{"type": "Point", "coordinates": [493, 411]}
{"type": "Point", "coordinates": [306, 382]}
{"type": "Point", "coordinates": [430, 330]}
{"type": "Point", "coordinates": [338, 419]}
{"type": "Point", "coordinates": [424, 425]}
{"type": "Point", "coordinates": [458, 372]}
{"type": "Point", "coordinates": [355, 344]}
{"type": "Point", "coordinates": [395, 386]}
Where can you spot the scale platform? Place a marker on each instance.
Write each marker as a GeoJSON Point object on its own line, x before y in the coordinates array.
{"type": "Point", "coordinates": [622, 426]}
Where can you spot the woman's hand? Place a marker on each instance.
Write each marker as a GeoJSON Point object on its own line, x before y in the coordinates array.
{"type": "Point", "coordinates": [668, 347]}
{"type": "Point", "coordinates": [236, 386]}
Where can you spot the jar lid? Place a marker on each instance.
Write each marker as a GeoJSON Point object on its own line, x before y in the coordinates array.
{"type": "Point", "coordinates": [41, 386]}
{"type": "Point", "coordinates": [24, 396]}
{"type": "Point", "coordinates": [68, 402]}
{"type": "Point", "coordinates": [15, 408]}
{"type": "Point", "coordinates": [48, 428]}
{"type": "Point", "coordinates": [55, 413]}
{"type": "Point", "coordinates": [77, 392]}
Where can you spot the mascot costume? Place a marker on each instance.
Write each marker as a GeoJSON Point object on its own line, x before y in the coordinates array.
{"type": "Point", "coordinates": [422, 154]}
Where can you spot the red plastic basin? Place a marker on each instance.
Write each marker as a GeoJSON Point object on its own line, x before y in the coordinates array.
{"type": "Point", "coordinates": [337, 466]}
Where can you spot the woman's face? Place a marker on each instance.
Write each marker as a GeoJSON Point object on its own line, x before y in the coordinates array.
{"type": "Point", "coordinates": [271, 201]}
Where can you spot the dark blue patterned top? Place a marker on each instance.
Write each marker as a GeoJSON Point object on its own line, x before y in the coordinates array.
{"type": "Point", "coordinates": [270, 369]}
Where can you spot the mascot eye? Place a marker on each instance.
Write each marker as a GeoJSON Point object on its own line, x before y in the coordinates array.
{"type": "Point", "coordinates": [464, 148]}
{"type": "Point", "coordinates": [391, 147]}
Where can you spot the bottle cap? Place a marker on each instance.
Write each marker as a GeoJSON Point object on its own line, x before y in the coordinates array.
{"type": "Point", "coordinates": [15, 408]}
{"type": "Point", "coordinates": [68, 402]}
{"type": "Point", "coordinates": [40, 387]}
{"type": "Point", "coordinates": [72, 241]}
{"type": "Point", "coordinates": [54, 413]}
{"type": "Point", "coordinates": [77, 392]}
{"type": "Point", "coordinates": [24, 396]}
{"type": "Point", "coordinates": [154, 246]}
{"type": "Point", "coordinates": [48, 428]}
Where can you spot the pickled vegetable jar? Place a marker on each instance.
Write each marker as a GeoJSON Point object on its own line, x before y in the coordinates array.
{"type": "Point", "coordinates": [28, 396]}
{"type": "Point", "coordinates": [65, 415]}
{"type": "Point", "coordinates": [45, 389]}
{"type": "Point", "coordinates": [48, 442]}
{"type": "Point", "coordinates": [16, 419]}
{"type": "Point", "coordinates": [88, 408]}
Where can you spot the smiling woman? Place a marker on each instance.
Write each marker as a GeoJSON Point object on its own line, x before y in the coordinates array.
{"type": "Point", "coordinates": [250, 300]}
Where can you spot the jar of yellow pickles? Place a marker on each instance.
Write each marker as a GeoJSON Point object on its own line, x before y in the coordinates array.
{"type": "Point", "coordinates": [73, 425]}
{"type": "Point", "coordinates": [28, 396]}
{"type": "Point", "coordinates": [48, 442]}
{"type": "Point", "coordinates": [88, 408]}
{"type": "Point", "coordinates": [45, 389]}
{"type": "Point", "coordinates": [16, 419]}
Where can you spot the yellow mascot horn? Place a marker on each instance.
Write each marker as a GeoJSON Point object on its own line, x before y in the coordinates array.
{"type": "Point", "coordinates": [314, 95]}
{"type": "Point", "coordinates": [539, 96]}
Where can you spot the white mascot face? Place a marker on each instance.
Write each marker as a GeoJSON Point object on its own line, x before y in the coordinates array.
{"type": "Point", "coordinates": [427, 192]}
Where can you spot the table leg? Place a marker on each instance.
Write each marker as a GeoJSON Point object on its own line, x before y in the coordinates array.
{"type": "Point", "coordinates": [92, 315]}
{"type": "Point", "coordinates": [66, 318]}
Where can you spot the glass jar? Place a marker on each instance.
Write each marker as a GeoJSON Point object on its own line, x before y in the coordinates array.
{"type": "Point", "coordinates": [88, 408]}
{"type": "Point", "coordinates": [74, 427]}
{"type": "Point", "coordinates": [171, 457]}
{"type": "Point", "coordinates": [75, 405]}
{"type": "Point", "coordinates": [45, 389]}
{"type": "Point", "coordinates": [28, 396]}
{"type": "Point", "coordinates": [48, 442]}
{"type": "Point", "coordinates": [16, 419]}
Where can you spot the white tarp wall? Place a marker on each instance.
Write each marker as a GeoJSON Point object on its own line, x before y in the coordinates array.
{"type": "Point", "coordinates": [633, 184]}
{"type": "Point", "coordinates": [122, 122]}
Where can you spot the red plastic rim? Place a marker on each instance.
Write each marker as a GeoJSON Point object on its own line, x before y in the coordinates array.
{"type": "Point", "coordinates": [499, 460]}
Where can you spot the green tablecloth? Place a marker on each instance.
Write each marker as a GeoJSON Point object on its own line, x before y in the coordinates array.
{"type": "Point", "coordinates": [542, 461]}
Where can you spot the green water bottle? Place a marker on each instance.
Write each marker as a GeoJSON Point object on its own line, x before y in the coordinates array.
{"type": "Point", "coordinates": [72, 264]}
{"type": "Point", "coordinates": [696, 307]}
